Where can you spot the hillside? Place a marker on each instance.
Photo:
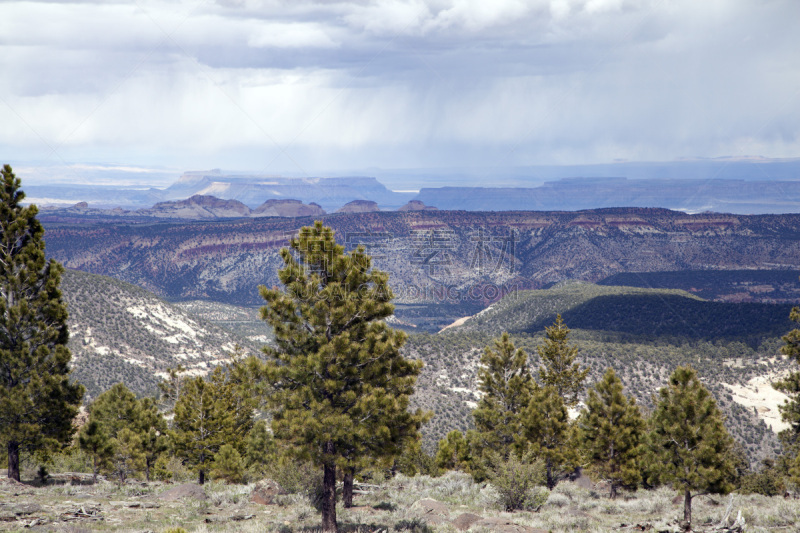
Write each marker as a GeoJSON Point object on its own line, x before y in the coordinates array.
{"type": "Point", "coordinates": [771, 286]}
{"type": "Point", "coordinates": [609, 326]}
{"type": "Point", "coordinates": [649, 313]}
{"type": "Point", "coordinates": [433, 256]}
{"type": "Point", "coordinates": [120, 332]}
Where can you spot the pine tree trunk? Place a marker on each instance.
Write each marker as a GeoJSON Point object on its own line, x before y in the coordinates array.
{"type": "Point", "coordinates": [147, 470]}
{"type": "Point", "coordinates": [329, 493]}
{"type": "Point", "coordinates": [551, 482]}
{"type": "Point", "coordinates": [687, 509]}
{"type": "Point", "coordinates": [13, 460]}
{"type": "Point", "coordinates": [613, 491]}
{"type": "Point", "coordinates": [202, 478]}
{"type": "Point", "coordinates": [347, 491]}
{"type": "Point", "coordinates": [95, 470]}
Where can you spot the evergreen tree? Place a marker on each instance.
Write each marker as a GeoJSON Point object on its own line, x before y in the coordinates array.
{"type": "Point", "coordinates": [128, 456]}
{"type": "Point", "coordinates": [415, 461]}
{"type": "Point", "coordinates": [228, 465]}
{"type": "Point", "coordinates": [93, 440]}
{"type": "Point", "coordinates": [790, 411]}
{"type": "Point", "coordinates": [691, 449]}
{"type": "Point", "coordinates": [153, 432]}
{"type": "Point", "coordinates": [612, 431]}
{"type": "Point", "coordinates": [259, 450]}
{"type": "Point", "coordinates": [507, 387]}
{"type": "Point", "coordinates": [453, 452]}
{"type": "Point", "coordinates": [548, 429]}
{"type": "Point", "coordinates": [205, 420]}
{"type": "Point", "coordinates": [559, 369]}
{"type": "Point", "coordinates": [118, 408]}
{"type": "Point", "coordinates": [37, 400]}
{"type": "Point", "coordinates": [341, 385]}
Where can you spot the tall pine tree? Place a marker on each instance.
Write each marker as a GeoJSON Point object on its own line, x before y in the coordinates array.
{"type": "Point", "coordinates": [612, 432]}
{"type": "Point", "coordinates": [559, 369]}
{"type": "Point", "coordinates": [118, 408]}
{"type": "Point", "coordinates": [37, 400]}
{"type": "Point", "coordinates": [341, 385]}
{"type": "Point", "coordinates": [690, 447]}
{"type": "Point", "coordinates": [507, 386]}
{"type": "Point", "coordinates": [550, 434]}
{"type": "Point", "coordinates": [93, 440]}
{"type": "Point", "coordinates": [208, 415]}
{"type": "Point", "coordinates": [790, 411]}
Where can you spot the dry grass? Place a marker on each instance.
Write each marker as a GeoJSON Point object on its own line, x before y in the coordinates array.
{"type": "Point", "coordinates": [569, 508]}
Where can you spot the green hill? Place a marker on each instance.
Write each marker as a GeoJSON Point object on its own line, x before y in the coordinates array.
{"type": "Point", "coordinates": [726, 285]}
{"type": "Point", "coordinates": [649, 313]}
{"type": "Point", "coordinates": [642, 333]}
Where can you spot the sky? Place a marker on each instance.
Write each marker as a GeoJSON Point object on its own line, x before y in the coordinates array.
{"type": "Point", "coordinates": [308, 87]}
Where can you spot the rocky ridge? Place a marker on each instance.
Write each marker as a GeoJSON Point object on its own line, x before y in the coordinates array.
{"type": "Point", "coordinates": [432, 256]}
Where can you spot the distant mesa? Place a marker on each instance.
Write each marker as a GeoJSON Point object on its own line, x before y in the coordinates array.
{"type": "Point", "coordinates": [287, 208]}
{"type": "Point", "coordinates": [198, 207]}
{"type": "Point", "coordinates": [253, 189]}
{"type": "Point", "coordinates": [359, 206]}
{"type": "Point", "coordinates": [416, 205]}
{"type": "Point", "coordinates": [81, 209]}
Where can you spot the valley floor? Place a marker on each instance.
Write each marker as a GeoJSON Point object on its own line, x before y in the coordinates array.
{"type": "Point", "coordinates": [450, 503]}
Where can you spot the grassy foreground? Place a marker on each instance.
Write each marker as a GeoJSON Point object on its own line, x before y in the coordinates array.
{"type": "Point", "coordinates": [390, 506]}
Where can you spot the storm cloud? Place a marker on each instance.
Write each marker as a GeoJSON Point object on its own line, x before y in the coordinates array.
{"type": "Point", "coordinates": [307, 86]}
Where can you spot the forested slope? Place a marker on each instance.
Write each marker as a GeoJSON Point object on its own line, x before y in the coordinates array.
{"type": "Point", "coordinates": [642, 334]}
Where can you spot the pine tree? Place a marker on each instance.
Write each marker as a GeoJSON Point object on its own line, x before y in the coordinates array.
{"type": "Point", "coordinates": [93, 440]}
{"type": "Point", "coordinates": [453, 452]}
{"type": "Point", "coordinates": [128, 456]}
{"type": "Point", "coordinates": [205, 420]}
{"type": "Point", "coordinates": [228, 465]}
{"type": "Point", "coordinates": [37, 400]}
{"type": "Point", "coordinates": [612, 431]}
{"type": "Point", "coordinates": [260, 450]}
{"type": "Point", "coordinates": [559, 369]}
{"type": "Point", "coordinates": [341, 385]}
{"type": "Point", "coordinates": [790, 410]}
{"type": "Point", "coordinates": [153, 432]}
{"type": "Point", "coordinates": [118, 408]}
{"type": "Point", "coordinates": [548, 430]}
{"type": "Point", "coordinates": [690, 447]}
{"type": "Point", "coordinates": [507, 388]}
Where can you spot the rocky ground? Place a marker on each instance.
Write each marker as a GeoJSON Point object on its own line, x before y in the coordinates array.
{"type": "Point", "coordinates": [451, 503]}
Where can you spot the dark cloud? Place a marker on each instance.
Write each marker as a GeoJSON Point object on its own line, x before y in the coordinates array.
{"type": "Point", "coordinates": [427, 82]}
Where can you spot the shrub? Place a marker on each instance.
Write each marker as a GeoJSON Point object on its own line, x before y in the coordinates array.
{"type": "Point", "coordinates": [161, 471]}
{"type": "Point", "coordinates": [228, 465]}
{"type": "Point", "coordinates": [768, 481]}
{"type": "Point", "coordinates": [515, 480]}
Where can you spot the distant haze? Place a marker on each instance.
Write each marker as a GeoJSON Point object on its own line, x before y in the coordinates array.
{"type": "Point", "coordinates": [728, 185]}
